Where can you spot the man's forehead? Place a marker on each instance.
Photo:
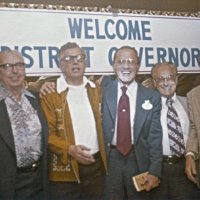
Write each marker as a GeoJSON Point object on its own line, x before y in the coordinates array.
{"type": "Point", "coordinates": [10, 55]}
{"type": "Point", "coordinates": [126, 53]}
{"type": "Point", "coordinates": [165, 69]}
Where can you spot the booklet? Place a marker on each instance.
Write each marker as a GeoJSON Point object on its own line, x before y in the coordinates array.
{"type": "Point", "coordinates": [138, 181]}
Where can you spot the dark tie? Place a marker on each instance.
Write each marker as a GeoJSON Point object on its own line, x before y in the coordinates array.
{"type": "Point", "coordinates": [124, 142]}
{"type": "Point", "coordinates": [175, 133]}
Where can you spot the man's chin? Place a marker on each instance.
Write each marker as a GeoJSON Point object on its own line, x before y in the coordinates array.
{"type": "Point", "coordinates": [126, 80]}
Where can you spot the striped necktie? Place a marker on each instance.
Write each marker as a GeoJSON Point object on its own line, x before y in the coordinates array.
{"type": "Point", "coordinates": [176, 140]}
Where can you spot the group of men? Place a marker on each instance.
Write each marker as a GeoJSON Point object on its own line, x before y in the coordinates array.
{"type": "Point", "coordinates": [94, 151]}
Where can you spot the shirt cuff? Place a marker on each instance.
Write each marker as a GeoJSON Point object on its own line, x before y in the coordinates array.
{"type": "Point", "coordinates": [190, 154]}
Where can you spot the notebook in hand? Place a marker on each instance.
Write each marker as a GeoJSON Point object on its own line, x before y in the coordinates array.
{"type": "Point", "coordinates": [138, 181]}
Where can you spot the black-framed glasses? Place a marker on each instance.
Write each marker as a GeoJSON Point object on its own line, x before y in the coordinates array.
{"type": "Point", "coordinates": [127, 61]}
{"type": "Point", "coordinates": [9, 66]}
{"type": "Point", "coordinates": [71, 59]}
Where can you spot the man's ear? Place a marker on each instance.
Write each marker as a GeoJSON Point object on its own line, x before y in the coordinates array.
{"type": "Point", "coordinates": [154, 83]}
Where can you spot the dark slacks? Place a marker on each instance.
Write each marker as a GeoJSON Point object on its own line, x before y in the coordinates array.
{"type": "Point", "coordinates": [28, 185]}
{"type": "Point", "coordinates": [119, 184]}
{"type": "Point", "coordinates": [90, 187]}
{"type": "Point", "coordinates": [174, 184]}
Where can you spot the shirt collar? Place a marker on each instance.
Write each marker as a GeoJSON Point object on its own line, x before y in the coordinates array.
{"type": "Point", "coordinates": [164, 99]}
{"type": "Point", "coordinates": [130, 87]}
{"type": "Point", "coordinates": [4, 93]}
{"type": "Point", "coordinates": [62, 84]}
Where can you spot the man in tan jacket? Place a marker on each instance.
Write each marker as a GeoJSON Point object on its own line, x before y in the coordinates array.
{"type": "Point", "coordinates": [77, 162]}
{"type": "Point", "coordinates": [193, 144]}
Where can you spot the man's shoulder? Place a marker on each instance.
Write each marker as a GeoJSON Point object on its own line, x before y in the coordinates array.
{"type": "Point", "coordinates": [148, 91]}
{"type": "Point", "coordinates": [194, 92]}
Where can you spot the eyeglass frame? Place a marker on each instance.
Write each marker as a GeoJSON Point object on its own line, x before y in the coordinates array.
{"type": "Point", "coordinates": [168, 78]}
{"type": "Point", "coordinates": [9, 66]}
{"type": "Point", "coordinates": [70, 59]}
{"type": "Point", "coordinates": [123, 61]}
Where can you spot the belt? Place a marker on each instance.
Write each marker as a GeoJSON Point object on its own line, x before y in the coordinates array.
{"type": "Point", "coordinates": [114, 146]}
{"type": "Point", "coordinates": [31, 168]}
{"type": "Point", "coordinates": [172, 159]}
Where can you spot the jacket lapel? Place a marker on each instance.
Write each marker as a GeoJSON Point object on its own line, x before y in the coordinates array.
{"type": "Point", "coordinates": [140, 113]}
{"type": "Point", "coordinates": [111, 98]}
{"type": "Point", "coordinates": [6, 130]}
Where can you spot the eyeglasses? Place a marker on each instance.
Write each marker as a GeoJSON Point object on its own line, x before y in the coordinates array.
{"type": "Point", "coordinates": [161, 80]}
{"type": "Point", "coordinates": [128, 61]}
{"type": "Point", "coordinates": [71, 59]}
{"type": "Point", "coordinates": [9, 66]}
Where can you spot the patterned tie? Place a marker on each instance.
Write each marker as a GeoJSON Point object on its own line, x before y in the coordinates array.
{"type": "Point", "coordinates": [176, 140]}
{"type": "Point", "coordinates": [124, 142]}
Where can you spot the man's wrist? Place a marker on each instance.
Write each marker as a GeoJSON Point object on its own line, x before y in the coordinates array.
{"type": "Point", "coordinates": [190, 154]}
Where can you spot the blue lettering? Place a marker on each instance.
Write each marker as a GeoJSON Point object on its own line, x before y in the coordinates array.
{"type": "Point", "coordinates": [145, 30]}
{"type": "Point", "coordinates": [121, 33]}
{"type": "Point", "coordinates": [148, 56]}
{"type": "Point", "coordinates": [173, 56]}
{"type": "Point", "coordinates": [26, 55]}
{"type": "Point", "coordinates": [88, 28]}
{"type": "Point", "coordinates": [75, 27]}
{"type": "Point", "coordinates": [110, 36]}
{"type": "Point", "coordinates": [88, 51]}
{"type": "Point", "coordinates": [134, 31]}
{"type": "Point", "coordinates": [185, 62]}
{"type": "Point", "coordinates": [161, 54]}
{"type": "Point", "coordinates": [99, 36]}
{"type": "Point", "coordinates": [53, 56]}
{"type": "Point", "coordinates": [40, 54]}
{"type": "Point", "coordinates": [111, 54]}
{"type": "Point", "coordinates": [195, 56]}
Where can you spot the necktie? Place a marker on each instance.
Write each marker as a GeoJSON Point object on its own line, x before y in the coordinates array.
{"type": "Point", "coordinates": [124, 142]}
{"type": "Point", "coordinates": [175, 134]}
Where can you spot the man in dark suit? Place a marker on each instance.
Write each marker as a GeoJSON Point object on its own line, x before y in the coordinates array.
{"type": "Point", "coordinates": [174, 183]}
{"type": "Point", "coordinates": [143, 150]}
{"type": "Point", "coordinates": [23, 134]}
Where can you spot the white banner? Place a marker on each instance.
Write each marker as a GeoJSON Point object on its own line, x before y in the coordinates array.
{"type": "Point", "coordinates": [39, 33]}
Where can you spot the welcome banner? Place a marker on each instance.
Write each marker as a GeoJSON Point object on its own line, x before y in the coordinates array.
{"type": "Point", "coordinates": [39, 33]}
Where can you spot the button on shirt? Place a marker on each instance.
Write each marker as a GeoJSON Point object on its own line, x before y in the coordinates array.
{"type": "Point", "coordinates": [184, 120]}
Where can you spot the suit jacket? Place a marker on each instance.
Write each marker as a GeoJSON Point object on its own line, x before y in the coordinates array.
{"type": "Point", "coordinates": [147, 128]}
{"type": "Point", "coordinates": [193, 143]}
{"type": "Point", "coordinates": [8, 163]}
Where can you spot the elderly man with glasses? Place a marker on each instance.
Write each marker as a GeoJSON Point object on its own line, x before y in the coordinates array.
{"type": "Point", "coordinates": [77, 162]}
{"type": "Point", "coordinates": [23, 134]}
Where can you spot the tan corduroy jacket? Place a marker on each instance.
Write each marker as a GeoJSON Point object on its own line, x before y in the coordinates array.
{"type": "Point", "coordinates": [63, 167]}
{"type": "Point", "coordinates": [193, 143]}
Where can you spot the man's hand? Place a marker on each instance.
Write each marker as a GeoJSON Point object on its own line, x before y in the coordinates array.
{"type": "Point", "coordinates": [81, 154]}
{"type": "Point", "coordinates": [190, 168]}
{"type": "Point", "coordinates": [151, 182]}
{"type": "Point", "coordinates": [47, 88]}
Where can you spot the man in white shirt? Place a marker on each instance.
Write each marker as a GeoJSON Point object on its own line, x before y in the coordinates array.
{"type": "Point", "coordinates": [174, 182]}
{"type": "Point", "coordinates": [77, 161]}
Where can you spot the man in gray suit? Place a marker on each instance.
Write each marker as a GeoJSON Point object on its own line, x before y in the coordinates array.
{"type": "Point", "coordinates": [193, 144]}
{"type": "Point", "coordinates": [174, 182]}
{"type": "Point", "coordinates": [144, 148]}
